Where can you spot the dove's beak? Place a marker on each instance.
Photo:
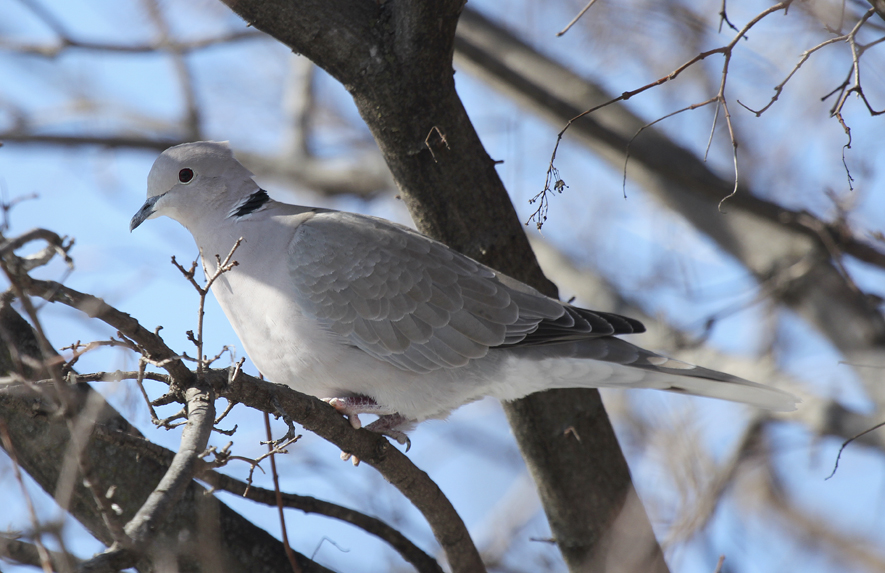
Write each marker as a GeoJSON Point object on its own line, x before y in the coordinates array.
{"type": "Point", "coordinates": [144, 213]}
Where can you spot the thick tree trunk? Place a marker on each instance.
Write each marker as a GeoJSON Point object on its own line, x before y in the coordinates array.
{"type": "Point", "coordinates": [395, 58]}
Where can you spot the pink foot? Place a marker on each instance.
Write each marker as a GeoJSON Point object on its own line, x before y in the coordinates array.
{"type": "Point", "coordinates": [353, 406]}
{"type": "Point", "coordinates": [388, 423]}
{"type": "Point", "coordinates": [392, 425]}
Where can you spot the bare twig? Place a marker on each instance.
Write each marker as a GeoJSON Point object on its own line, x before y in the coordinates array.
{"type": "Point", "coordinates": [221, 267]}
{"type": "Point", "coordinates": [55, 50]}
{"type": "Point", "coordinates": [552, 177]}
{"type": "Point", "coordinates": [409, 551]}
{"type": "Point", "coordinates": [723, 18]}
{"type": "Point", "coordinates": [78, 349]}
{"type": "Point", "coordinates": [848, 441]}
{"type": "Point", "coordinates": [139, 532]}
{"type": "Point", "coordinates": [274, 447]}
{"type": "Point", "coordinates": [139, 380]}
{"type": "Point", "coordinates": [651, 124]}
{"type": "Point", "coordinates": [778, 89]}
{"type": "Point", "coordinates": [54, 241]}
{"type": "Point", "coordinates": [576, 18]}
{"type": "Point", "coordinates": [66, 41]}
{"type": "Point", "coordinates": [431, 144]}
{"type": "Point", "coordinates": [279, 497]}
{"type": "Point", "coordinates": [7, 206]}
{"type": "Point", "coordinates": [230, 406]}
{"type": "Point", "coordinates": [844, 90]}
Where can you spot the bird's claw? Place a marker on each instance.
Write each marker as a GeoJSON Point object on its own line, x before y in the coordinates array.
{"type": "Point", "coordinates": [386, 424]}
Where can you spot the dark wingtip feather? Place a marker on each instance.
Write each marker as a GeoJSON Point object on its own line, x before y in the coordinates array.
{"type": "Point", "coordinates": [622, 324]}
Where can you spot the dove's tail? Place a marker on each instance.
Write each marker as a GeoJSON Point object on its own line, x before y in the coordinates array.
{"type": "Point", "coordinates": [614, 363]}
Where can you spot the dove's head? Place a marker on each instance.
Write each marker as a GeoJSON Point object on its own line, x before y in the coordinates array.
{"type": "Point", "coordinates": [193, 180]}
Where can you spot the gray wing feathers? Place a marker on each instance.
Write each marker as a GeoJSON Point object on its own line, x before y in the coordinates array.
{"type": "Point", "coordinates": [406, 299]}
{"type": "Point", "coordinates": [415, 303]}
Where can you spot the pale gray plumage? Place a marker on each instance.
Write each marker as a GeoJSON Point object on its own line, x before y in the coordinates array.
{"type": "Point", "coordinates": [340, 305]}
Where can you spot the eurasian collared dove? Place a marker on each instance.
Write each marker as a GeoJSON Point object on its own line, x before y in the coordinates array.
{"type": "Point", "coordinates": [377, 318]}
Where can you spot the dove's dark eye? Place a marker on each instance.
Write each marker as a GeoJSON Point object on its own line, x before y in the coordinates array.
{"type": "Point", "coordinates": [186, 175]}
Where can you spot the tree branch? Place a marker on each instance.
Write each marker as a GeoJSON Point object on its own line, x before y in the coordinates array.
{"type": "Point", "coordinates": [371, 448]}
{"type": "Point", "coordinates": [312, 413]}
{"type": "Point", "coordinates": [26, 553]}
{"type": "Point", "coordinates": [41, 441]}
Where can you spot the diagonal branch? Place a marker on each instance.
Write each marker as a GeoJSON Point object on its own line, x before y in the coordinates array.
{"type": "Point", "coordinates": [94, 307]}
{"type": "Point", "coordinates": [371, 448]}
{"type": "Point", "coordinates": [194, 438]}
{"type": "Point", "coordinates": [312, 413]}
{"type": "Point", "coordinates": [41, 442]}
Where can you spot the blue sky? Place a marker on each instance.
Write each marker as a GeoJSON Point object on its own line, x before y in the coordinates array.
{"type": "Point", "coordinates": [91, 193]}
